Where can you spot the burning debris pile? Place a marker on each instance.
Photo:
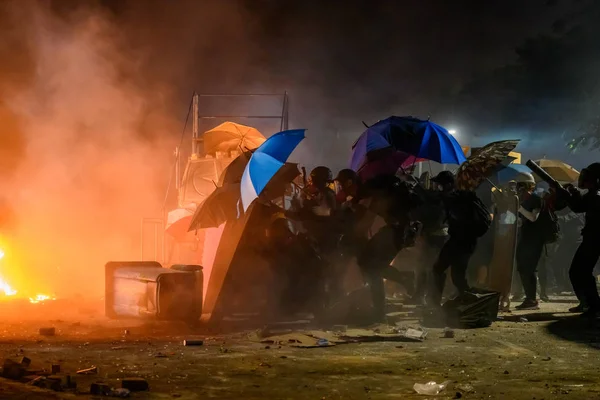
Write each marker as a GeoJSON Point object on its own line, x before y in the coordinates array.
{"type": "Point", "coordinates": [8, 292]}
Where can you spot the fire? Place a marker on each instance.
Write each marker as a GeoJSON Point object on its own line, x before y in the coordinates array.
{"type": "Point", "coordinates": [39, 298]}
{"type": "Point", "coordinates": [9, 291]}
{"type": "Point", "coordinates": [4, 286]}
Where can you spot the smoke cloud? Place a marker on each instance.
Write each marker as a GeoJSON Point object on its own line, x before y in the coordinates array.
{"type": "Point", "coordinates": [84, 146]}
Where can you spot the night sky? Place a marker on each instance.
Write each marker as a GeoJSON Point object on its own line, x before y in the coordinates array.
{"type": "Point", "coordinates": [341, 62]}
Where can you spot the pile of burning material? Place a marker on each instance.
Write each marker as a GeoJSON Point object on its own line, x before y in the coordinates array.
{"type": "Point", "coordinates": [9, 295]}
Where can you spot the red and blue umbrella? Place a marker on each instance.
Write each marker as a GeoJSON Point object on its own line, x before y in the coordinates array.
{"type": "Point", "coordinates": [418, 138]}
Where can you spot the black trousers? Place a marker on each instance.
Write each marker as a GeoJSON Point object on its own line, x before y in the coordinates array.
{"type": "Point", "coordinates": [529, 252]}
{"type": "Point", "coordinates": [432, 246]}
{"type": "Point", "coordinates": [455, 253]}
{"type": "Point", "coordinates": [374, 261]}
{"type": "Point", "coordinates": [581, 273]}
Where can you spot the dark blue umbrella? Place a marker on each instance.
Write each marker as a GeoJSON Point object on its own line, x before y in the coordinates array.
{"type": "Point", "coordinates": [421, 139]}
{"type": "Point", "coordinates": [266, 161]}
{"type": "Point", "coordinates": [511, 172]}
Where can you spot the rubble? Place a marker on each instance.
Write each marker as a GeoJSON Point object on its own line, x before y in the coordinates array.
{"type": "Point", "coordinates": [121, 393]}
{"type": "Point", "coordinates": [14, 370]}
{"type": "Point", "coordinates": [193, 342]}
{"type": "Point", "coordinates": [88, 371]}
{"type": "Point", "coordinates": [135, 384]}
{"type": "Point", "coordinates": [100, 388]}
{"type": "Point", "coordinates": [48, 331]}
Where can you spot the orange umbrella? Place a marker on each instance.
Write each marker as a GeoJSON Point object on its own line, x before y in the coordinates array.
{"type": "Point", "coordinates": [559, 170]}
{"type": "Point", "coordinates": [230, 136]}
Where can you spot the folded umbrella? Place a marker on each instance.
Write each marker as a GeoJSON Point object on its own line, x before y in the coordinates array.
{"type": "Point", "coordinates": [265, 162]}
{"type": "Point", "coordinates": [559, 170]}
{"type": "Point", "coordinates": [481, 165]}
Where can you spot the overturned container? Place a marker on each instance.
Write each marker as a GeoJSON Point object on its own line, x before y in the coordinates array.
{"type": "Point", "coordinates": [144, 289]}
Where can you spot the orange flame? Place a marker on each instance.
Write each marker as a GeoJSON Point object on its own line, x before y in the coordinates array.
{"type": "Point", "coordinates": [40, 298]}
{"type": "Point", "coordinates": [4, 286]}
{"type": "Point", "coordinates": [9, 291]}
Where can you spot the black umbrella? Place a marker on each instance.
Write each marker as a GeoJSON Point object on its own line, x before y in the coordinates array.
{"type": "Point", "coordinates": [219, 207]}
{"type": "Point", "coordinates": [222, 204]}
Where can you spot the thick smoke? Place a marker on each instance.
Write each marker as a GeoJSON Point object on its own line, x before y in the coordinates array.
{"type": "Point", "coordinates": [84, 147]}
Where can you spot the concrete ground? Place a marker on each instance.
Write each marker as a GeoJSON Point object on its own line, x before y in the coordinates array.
{"type": "Point", "coordinates": [545, 354]}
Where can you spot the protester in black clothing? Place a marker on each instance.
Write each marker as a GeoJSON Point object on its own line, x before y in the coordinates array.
{"type": "Point", "coordinates": [316, 210]}
{"type": "Point", "coordinates": [298, 269]}
{"type": "Point", "coordinates": [432, 215]}
{"type": "Point", "coordinates": [393, 200]}
{"type": "Point", "coordinates": [588, 253]}
{"type": "Point", "coordinates": [467, 220]}
{"type": "Point", "coordinates": [530, 245]}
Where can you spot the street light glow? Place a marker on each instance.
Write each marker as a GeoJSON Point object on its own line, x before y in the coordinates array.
{"type": "Point", "coordinates": [452, 131]}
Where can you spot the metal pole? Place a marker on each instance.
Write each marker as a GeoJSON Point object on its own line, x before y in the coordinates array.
{"type": "Point", "coordinates": [177, 168]}
{"type": "Point", "coordinates": [142, 241]}
{"type": "Point", "coordinates": [164, 244]}
{"type": "Point", "coordinates": [282, 124]}
{"type": "Point", "coordinates": [195, 126]}
{"type": "Point", "coordinates": [286, 99]}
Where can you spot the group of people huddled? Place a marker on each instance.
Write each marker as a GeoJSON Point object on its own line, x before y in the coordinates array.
{"type": "Point", "coordinates": [334, 222]}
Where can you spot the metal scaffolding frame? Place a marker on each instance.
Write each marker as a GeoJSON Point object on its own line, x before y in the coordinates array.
{"type": "Point", "coordinates": [158, 223]}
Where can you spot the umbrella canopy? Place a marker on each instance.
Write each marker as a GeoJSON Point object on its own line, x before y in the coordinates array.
{"type": "Point", "coordinates": [234, 171]}
{"type": "Point", "coordinates": [219, 207]}
{"type": "Point", "coordinates": [384, 161]}
{"type": "Point", "coordinates": [421, 139]}
{"type": "Point", "coordinates": [222, 204]}
{"type": "Point", "coordinates": [559, 170]}
{"type": "Point", "coordinates": [266, 161]}
{"type": "Point", "coordinates": [511, 172]}
{"type": "Point", "coordinates": [177, 222]}
{"type": "Point", "coordinates": [483, 163]}
{"type": "Point", "coordinates": [230, 136]}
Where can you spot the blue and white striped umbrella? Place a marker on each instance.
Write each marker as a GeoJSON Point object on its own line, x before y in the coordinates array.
{"type": "Point", "coordinates": [266, 161]}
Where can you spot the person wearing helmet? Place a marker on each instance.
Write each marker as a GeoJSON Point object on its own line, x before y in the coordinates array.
{"type": "Point", "coordinates": [318, 205]}
{"type": "Point", "coordinates": [348, 183]}
{"type": "Point", "coordinates": [468, 219]}
{"type": "Point", "coordinates": [586, 257]}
